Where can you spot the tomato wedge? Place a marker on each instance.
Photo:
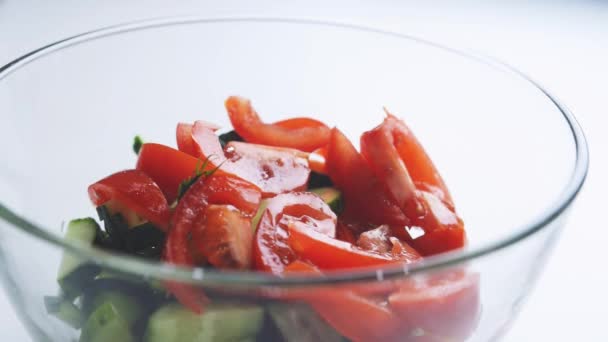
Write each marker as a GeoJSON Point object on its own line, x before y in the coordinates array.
{"type": "Point", "coordinates": [223, 237]}
{"type": "Point", "coordinates": [400, 146]}
{"type": "Point", "coordinates": [301, 133]}
{"type": "Point", "coordinates": [185, 142]}
{"type": "Point", "coordinates": [445, 304]}
{"type": "Point", "coordinates": [440, 228]}
{"type": "Point", "coordinates": [271, 250]}
{"type": "Point", "coordinates": [167, 166]}
{"type": "Point", "coordinates": [222, 189]}
{"type": "Point", "coordinates": [364, 198]}
{"type": "Point", "coordinates": [274, 170]}
{"type": "Point", "coordinates": [301, 122]}
{"type": "Point", "coordinates": [410, 179]}
{"type": "Point", "coordinates": [330, 254]}
{"type": "Point", "coordinates": [184, 138]}
{"type": "Point", "coordinates": [136, 191]}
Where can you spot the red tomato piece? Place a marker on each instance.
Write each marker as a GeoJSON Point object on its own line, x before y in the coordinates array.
{"type": "Point", "coordinates": [184, 138]}
{"type": "Point", "coordinates": [444, 304]}
{"type": "Point", "coordinates": [223, 237]}
{"type": "Point", "coordinates": [364, 198]}
{"type": "Point", "coordinates": [217, 189]}
{"type": "Point", "coordinates": [328, 253]}
{"type": "Point", "coordinates": [438, 230]}
{"type": "Point", "coordinates": [274, 170]}
{"type": "Point", "coordinates": [358, 318]}
{"type": "Point", "coordinates": [136, 191]}
{"type": "Point", "coordinates": [396, 156]}
{"type": "Point", "coordinates": [345, 233]}
{"type": "Point", "coordinates": [377, 147]}
{"type": "Point", "coordinates": [167, 166]}
{"type": "Point", "coordinates": [419, 165]}
{"type": "Point", "coordinates": [300, 133]}
{"type": "Point", "coordinates": [300, 122]}
{"type": "Point", "coordinates": [271, 250]}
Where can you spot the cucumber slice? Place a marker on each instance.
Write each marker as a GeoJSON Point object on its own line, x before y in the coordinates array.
{"type": "Point", "coordinates": [74, 273]}
{"type": "Point", "coordinates": [300, 323]}
{"type": "Point", "coordinates": [64, 310]}
{"type": "Point", "coordinates": [114, 315]}
{"type": "Point", "coordinates": [124, 305]}
{"type": "Point", "coordinates": [131, 217]}
{"type": "Point", "coordinates": [332, 197]}
{"type": "Point", "coordinates": [219, 323]}
{"type": "Point", "coordinates": [106, 323]}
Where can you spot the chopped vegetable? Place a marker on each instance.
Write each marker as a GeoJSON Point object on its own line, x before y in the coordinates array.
{"type": "Point", "coordinates": [302, 134]}
{"type": "Point", "coordinates": [292, 197]}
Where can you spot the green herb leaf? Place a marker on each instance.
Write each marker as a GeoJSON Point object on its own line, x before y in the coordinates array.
{"type": "Point", "coordinates": [198, 173]}
{"type": "Point", "coordinates": [137, 143]}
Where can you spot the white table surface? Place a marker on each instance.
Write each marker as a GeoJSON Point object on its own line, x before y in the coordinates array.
{"type": "Point", "coordinates": [564, 44]}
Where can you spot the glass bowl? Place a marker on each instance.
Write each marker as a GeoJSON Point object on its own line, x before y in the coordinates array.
{"type": "Point", "coordinates": [513, 157]}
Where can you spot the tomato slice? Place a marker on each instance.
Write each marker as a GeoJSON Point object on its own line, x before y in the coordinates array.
{"type": "Point", "coordinates": [300, 133]}
{"type": "Point", "coordinates": [445, 304]}
{"type": "Point", "coordinates": [438, 230]}
{"type": "Point", "coordinates": [345, 233]}
{"type": "Point", "coordinates": [184, 138]}
{"type": "Point", "coordinates": [222, 189]}
{"type": "Point", "coordinates": [185, 142]}
{"type": "Point", "coordinates": [274, 170]}
{"type": "Point", "coordinates": [380, 240]}
{"type": "Point", "coordinates": [411, 154]}
{"type": "Point", "coordinates": [364, 198]}
{"type": "Point", "coordinates": [136, 191]}
{"type": "Point", "coordinates": [396, 156]}
{"type": "Point", "coordinates": [300, 122]}
{"type": "Point", "coordinates": [358, 318]}
{"type": "Point", "coordinates": [331, 254]}
{"type": "Point", "coordinates": [377, 147]}
{"type": "Point", "coordinates": [167, 166]}
{"type": "Point", "coordinates": [271, 250]}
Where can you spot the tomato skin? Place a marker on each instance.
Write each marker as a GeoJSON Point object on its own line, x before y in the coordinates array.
{"type": "Point", "coordinates": [217, 189]}
{"type": "Point", "coordinates": [135, 190]}
{"type": "Point", "coordinates": [167, 166]}
{"type": "Point", "coordinates": [299, 133]}
{"type": "Point", "coordinates": [418, 163]}
{"type": "Point", "coordinates": [377, 147]}
{"type": "Point", "coordinates": [364, 198]}
{"type": "Point", "coordinates": [330, 254]}
{"type": "Point", "coordinates": [344, 233]}
{"type": "Point", "coordinates": [411, 180]}
{"type": "Point", "coordinates": [358, 318]}
{"type": "Point", "coordinates": [443, 229]}
{"type": "Point", "coordinates": [300, 122]}
{"type": "Point", "coordinates": [184, 138]}
{"type": "Point", "coordinates": [223, 237]}
{"type": "Point", "coordinates": [271, 250]}
{"type": "Point", "coordinates": [274, 170]}
{"type": "Point", "coordinates": [445, 304]}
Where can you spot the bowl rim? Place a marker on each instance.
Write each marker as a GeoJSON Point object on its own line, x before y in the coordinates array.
{"type": "Point", "coordinates": [205, 276]}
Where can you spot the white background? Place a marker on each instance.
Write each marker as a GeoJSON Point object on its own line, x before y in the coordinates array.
{"type": "Point", "coordinates": [563, 44]}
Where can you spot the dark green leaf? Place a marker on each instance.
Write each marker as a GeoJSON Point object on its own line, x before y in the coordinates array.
{"type": "Point", "coordinates": [228, 137]}
{"type": "Point", "coordinates": [137, 143]}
